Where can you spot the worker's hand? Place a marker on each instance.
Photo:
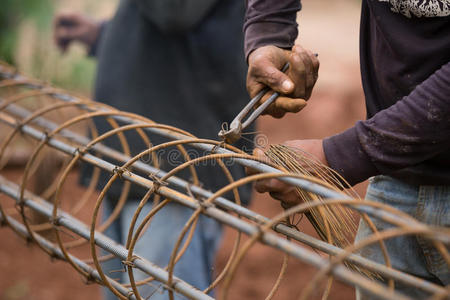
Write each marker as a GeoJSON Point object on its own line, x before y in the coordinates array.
{"type": "Point", "coordinates": [295, 85]}
{"type": "Point", "coordinates": [70, 27]}
{"type": "Point", "coordinates": [279, 190]}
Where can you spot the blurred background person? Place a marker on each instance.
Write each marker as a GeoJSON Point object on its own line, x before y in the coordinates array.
{"type": "Point", "coordinates": [178, 63]}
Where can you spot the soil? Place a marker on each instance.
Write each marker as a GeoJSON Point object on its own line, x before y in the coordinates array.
{"type": "Point", "coordinates": [330, 29]}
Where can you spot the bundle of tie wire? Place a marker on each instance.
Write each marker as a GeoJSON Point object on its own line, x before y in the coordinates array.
{"type": "Point", "coordinates": [333, 223]}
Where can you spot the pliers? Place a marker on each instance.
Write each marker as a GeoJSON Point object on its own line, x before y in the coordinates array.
{"type": "Point", "coordinates": [234, 132]}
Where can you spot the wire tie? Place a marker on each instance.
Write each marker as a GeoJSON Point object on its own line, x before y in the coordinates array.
{"type": "Point", "coordinates": [216, 147]}
{"type": "Point", "coordinates": [80, 151]}
{"type": "Point", "coordinates": [119, 171]}
{"type": "Point", "coordinates": [170, 288]}
{"type": "Point", "coordinates": [204, 205]}
{"type": "Point", "coordinates": [19, 126]}
{"type": "Point", "coordinates": [130, 293]}
{"type": "Point", "coordinates": [225, 126]}
{"type": "Point", "coordinates": [157, 182]}
{"type": "Point", "coordinates": [90, 279]}
{"type": "Point", "coordinates": [55, 221]}
{"type": "Point", "coordinates": [20, 205]}
{"type": "Point", "coordinates": [130, 263]}
{"type": "Point", "coordinates": [199, 198]}
{"type": "Point", "coordinates": [260, 232]}
{"type": "Point", "coordinates": [46, 137]}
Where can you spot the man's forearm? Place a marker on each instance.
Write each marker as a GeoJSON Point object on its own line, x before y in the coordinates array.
{"type": "Point", "coordinates": [270, 22]}
{"type": "Point", "coordinates": [409, 132]}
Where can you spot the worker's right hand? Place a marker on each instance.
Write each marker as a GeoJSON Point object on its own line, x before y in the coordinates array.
{"type": "Point", "coordinates": [70, 27]}
{"type": "Point", "coordinates": [295, 86]}
{"type": "Point", "coordinates": [285, 193]}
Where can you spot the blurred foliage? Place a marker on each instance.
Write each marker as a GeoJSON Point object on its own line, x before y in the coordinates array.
{"type": "Point", "coordinates": [13, 12]}
{"type": "Point", "coordinates": [26, 42]}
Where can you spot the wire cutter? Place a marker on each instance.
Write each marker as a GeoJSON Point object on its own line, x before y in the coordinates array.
{"type": "Point", "coordinates": [234, 132]}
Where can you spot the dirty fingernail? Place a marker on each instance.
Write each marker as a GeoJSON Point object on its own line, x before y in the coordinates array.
{"type": "Point", "coordinates": [287, 85]}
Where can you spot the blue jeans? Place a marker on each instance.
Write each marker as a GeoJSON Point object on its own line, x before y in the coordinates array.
{"type": "Point", "coordinates": [196, 265]}
{"type": "Point", "coordinates": [410, 254]}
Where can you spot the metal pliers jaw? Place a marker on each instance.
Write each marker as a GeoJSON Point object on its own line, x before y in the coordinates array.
{"type": "Point", "coordinates": [234, 132]}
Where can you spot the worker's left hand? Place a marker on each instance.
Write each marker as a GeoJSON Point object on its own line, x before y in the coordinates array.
{"type": "Point", "coordinates": [70, 27]}
{"type": "Point", "coordinates": [282, 191]}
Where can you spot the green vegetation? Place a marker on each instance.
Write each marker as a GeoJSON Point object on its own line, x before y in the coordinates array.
{"type": "Point", "coordinates": [13, 12]}
{"type": "Point", "coordinates": [26, 42]}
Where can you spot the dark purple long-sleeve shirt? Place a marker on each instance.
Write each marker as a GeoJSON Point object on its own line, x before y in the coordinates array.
{"type": "Point", "coordinates": [405, 67]}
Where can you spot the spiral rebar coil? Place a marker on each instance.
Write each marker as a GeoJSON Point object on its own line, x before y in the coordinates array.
{"type": "Point", "coordinates": [54, 124]}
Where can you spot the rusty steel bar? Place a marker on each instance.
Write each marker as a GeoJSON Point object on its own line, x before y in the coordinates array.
{"type": "Point", "coordinates": [229, 205]}
{"type": "Point", "coordinates": [302, 183]}
{"type": "Point", "coordinates": [17, 226]}
{"type": "Point", "coordinates": [10, 189]}
{"type": "Point", "coordinates": [259, 166]}
{"type": "Point", "coordinates": [256, 226]}
{"type": "Point", "coordinates": [269, 239]}
{"type": "Point", "coordinates": [298, 182]}
{"type": "Point", "coordinates": [104, 242]}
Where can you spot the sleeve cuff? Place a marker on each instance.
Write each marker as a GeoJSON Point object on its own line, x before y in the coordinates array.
{"type": "Point", "coordinates": [346, 156]}
{"type": "Point", "coordinates": [269, 33]}
{"type": "Point", "coordinates": [92, 52]}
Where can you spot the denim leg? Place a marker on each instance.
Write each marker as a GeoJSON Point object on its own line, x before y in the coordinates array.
{"type": "Point", "coordinates": [405, 252]}
{"type": "Point", "coordinates": [434, 208]}
{"type": "Point", "coordinates": [112, 267]}
{"type": "Point", "coordinates": [196, 265]}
